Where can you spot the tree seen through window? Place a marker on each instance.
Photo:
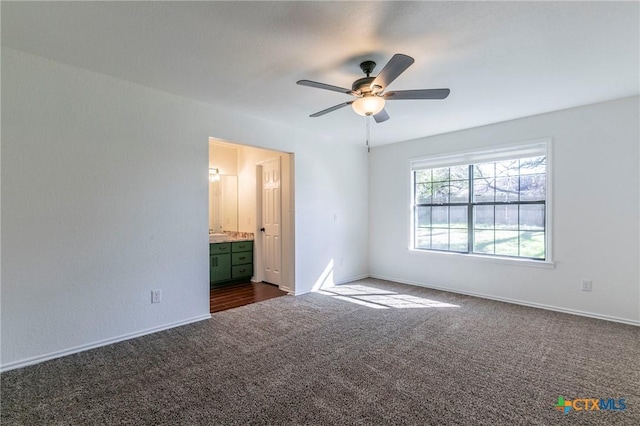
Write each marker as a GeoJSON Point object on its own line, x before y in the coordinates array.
{"type": "Point", "coordinates": [492, 208]}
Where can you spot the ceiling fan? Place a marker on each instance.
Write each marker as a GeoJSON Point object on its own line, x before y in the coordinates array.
{"type": "Point", "coordinates": [369, 90]}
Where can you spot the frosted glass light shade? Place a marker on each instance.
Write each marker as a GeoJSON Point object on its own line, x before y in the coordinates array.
{"type": "Point", "coordinates": [368, 105]}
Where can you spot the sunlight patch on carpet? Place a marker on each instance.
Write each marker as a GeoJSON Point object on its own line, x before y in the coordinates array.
{"type": "Point", "coordinates": [380, 299]}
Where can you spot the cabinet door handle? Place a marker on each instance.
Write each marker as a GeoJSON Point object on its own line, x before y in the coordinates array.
{"type": "Point", "coordinates": [242, 258]}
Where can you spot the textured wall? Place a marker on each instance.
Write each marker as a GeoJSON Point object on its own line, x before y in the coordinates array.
{"type": "Point", "coordinates": [104, 198]}
{"type": "Point", "coordinates": [595, 156]}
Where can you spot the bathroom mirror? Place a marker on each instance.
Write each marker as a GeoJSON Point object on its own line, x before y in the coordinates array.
{"type": "Point", "coordinates": [223, 204]}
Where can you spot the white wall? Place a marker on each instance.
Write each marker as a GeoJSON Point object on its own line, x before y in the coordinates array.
{"type": "Point", "coordinates": [595, 154]}
{"type": "Point", "coordinates": [104, 198]}
{"type": "Point", "coordinates": [224, 158]}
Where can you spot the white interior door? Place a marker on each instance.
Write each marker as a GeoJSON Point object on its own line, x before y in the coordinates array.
{"type": "Point", "coordinates": [271, 218]}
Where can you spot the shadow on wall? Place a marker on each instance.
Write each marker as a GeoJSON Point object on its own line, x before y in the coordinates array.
{"type": "Point", "coordinates": [369, 296]}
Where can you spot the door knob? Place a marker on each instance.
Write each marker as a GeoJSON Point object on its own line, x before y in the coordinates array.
{"type": "Point", "coordinates": [262, 229]}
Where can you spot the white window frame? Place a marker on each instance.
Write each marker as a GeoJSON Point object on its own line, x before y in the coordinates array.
{"type": "Point", "coordinates": [488, 154]}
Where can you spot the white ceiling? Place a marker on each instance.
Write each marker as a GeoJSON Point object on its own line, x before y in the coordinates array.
{"type": "Point", "coordinates": [501, 60]}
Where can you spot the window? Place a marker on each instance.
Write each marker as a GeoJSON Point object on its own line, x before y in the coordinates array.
{"type": "Point", "coordinates": [489, 203]}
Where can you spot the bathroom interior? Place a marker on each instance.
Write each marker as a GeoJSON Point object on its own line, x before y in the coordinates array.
{"type": "Point", "coordinates": [237, 267]}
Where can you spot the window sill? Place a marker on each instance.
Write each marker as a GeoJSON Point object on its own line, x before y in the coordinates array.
{"type": "Point", "coordinates": [546, 264]}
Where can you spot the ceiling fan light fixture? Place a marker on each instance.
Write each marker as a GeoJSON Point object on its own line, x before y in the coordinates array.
{"type": "Point", "coordinates": [368, 105]}
{"type": "Point", "coordinates": [368, 90]}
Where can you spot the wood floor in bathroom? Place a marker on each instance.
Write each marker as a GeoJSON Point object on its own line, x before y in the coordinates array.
{"type": "Point", "coordinates": [236, 295]}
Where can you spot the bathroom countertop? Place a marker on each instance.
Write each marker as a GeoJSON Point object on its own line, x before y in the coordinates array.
{"type": "Point", "coordinates": [228, 239]}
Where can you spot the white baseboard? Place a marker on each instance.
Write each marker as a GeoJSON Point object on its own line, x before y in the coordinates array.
{"type": "Point", "coordinates": [58, 354]}
{"type": "Point", "coordinates": [352, 279]}
{"type": "Point", "coordinates": [514, 301]}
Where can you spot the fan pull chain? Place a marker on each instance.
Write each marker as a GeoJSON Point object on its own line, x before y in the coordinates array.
{"type": "Point", "coordinates": [368, 135]}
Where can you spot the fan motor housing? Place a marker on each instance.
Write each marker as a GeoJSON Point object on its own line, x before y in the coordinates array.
{"type": "Point", "coordinates": [362, 85]}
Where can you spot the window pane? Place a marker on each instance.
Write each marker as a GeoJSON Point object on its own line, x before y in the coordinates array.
{"type": "Point", "coordinates": [441, 175]}
{"type": "Point", "coordinates": [533, 165]}
{"type": "Point", "coordinates": [440, 239]}
{"type": "Point", "coordinates": [459, 173]}
{"type": "Point", "coordinates": [483, 217]}
{"type": "Point", "coordinates": [508, 168]}
{"type": "Point", "coordinates": [423, 193]}
{"type": "Point", "coordinates": [459, 240]}
{"type": "Point", "coordinates": [506, 217]}
{"type": "Point", "coordinates": [532, 245]}
{"type": "Point", "coordinates": [484, 170]}
{"type": "Point", "coordinates": [458, 217]}
{"type": "Point", "coordinates": [459, 191]}
{"type": "Point", "coordinates": [533, 187]}
{"type": "Point", "coordinates": [532, 217]}
{"type": "Point", "coordinates": [423, 217]}
{"type": "Point", "coordinates": [483, 241]}
{"type": "Point", "coordinates": [483, 190]}
{"type": "Point", "coordinates": [423, 238]}
{"type": "Point", "coordinates": [422, 176]}
{"type": "Point", "coordinates": [507, 189]}
{"type": "Point", "coordinates": [440, 192]}
{"type": "Point", "coordinates": [507, 243]}
{"type": "Point", "coordinates": [440, 217]}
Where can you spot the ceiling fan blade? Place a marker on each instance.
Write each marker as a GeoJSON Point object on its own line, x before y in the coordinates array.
{"type": "Point", "coordinates": [417, 94]}
{"type": "Point", "coordinates": [317, 85]}
{"type": "Point", "coordinates": [381, 116]}
{"type": "Point", "coordinates": [333, 108]}
{"type": "Point", "coordinates": [396, 66]}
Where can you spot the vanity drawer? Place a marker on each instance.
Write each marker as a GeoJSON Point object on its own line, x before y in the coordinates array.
{"type": "Point", "coordinates": [241, 258]}
{"type": "Point", "coordinates": [239, 246]}
{"type": "Point", "coordinates": [240, 271]}
{"type": "Point", "coordinates": [218, 248]}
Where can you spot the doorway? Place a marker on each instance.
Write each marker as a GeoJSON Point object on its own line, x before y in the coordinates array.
{"type": "Point", "coordinates": [273, 253]}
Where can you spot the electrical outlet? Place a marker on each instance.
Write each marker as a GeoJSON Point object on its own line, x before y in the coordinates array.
{"type": "Point", "coordinates": [587, 285]}
{"type": "Point", "coordinates": [156, 296]}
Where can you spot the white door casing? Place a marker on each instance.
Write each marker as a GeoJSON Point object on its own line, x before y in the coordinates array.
{"type": "Point", "coordinates": [271, 221]}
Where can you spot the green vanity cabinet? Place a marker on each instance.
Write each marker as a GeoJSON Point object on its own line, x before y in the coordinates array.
{"type": "Point", "coordinates": [230, 262]}
{"type": "Point", "coordinates": [220, 262]}
{"type": "Point", "coordinates": [242, 260]}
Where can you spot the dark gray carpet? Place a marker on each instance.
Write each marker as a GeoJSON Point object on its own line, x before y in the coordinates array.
{"type": "Point", "coordinates": [318, 360]}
